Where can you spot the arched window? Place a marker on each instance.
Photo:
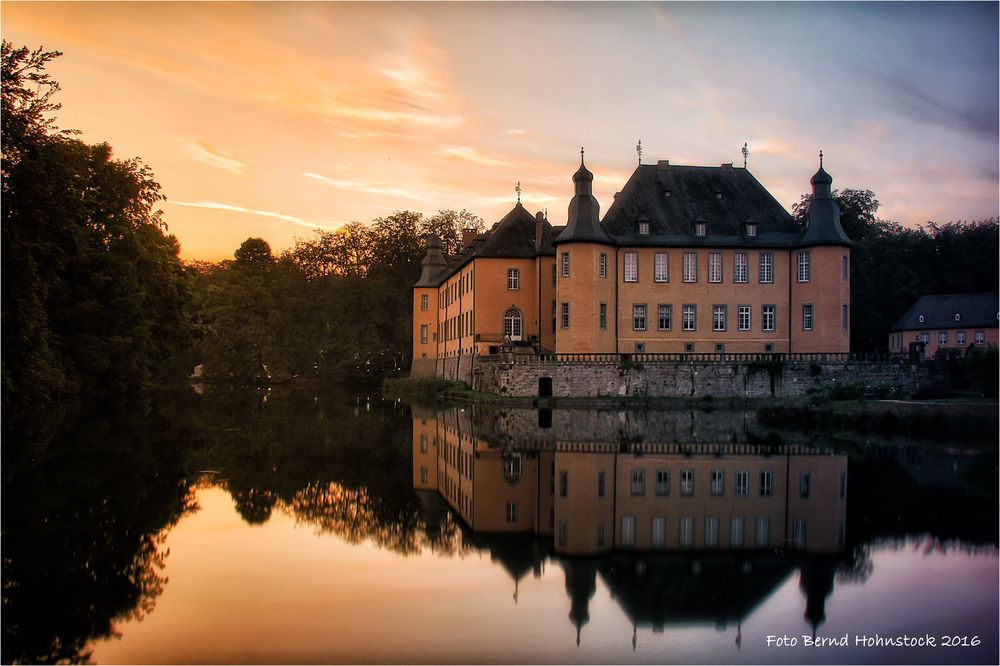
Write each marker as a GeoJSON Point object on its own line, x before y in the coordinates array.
{"type": "Point", "coordinates": [958, 317]}
{"type": "Point", "coordinates": [512, 324]}
{"type": "Point", "coordinates": [920, 319]}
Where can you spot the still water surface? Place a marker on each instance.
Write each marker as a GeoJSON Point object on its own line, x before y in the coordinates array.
{"type": "Point", "coordinates": [323, 528]}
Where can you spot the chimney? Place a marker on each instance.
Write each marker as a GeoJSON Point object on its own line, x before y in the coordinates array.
{"type": "Point", "coordinates": [727, 166]}
{"type": "Point", "coordinates": [663, 164]}
{"type": "Point", "coordinates": [539, 230]}
{"type": "Point", "coordinates": [468, 235]}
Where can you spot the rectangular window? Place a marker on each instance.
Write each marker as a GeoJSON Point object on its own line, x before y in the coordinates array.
{"type": "Point", "coordinates": [423, 442]}
{"type": "Point", "coordinates": [843, 484]}
{"type": "Point", "coordinates": [718, 317]}
{"type": "Point", "coordinates": [638, 486]}
{"type": "Point", "coordinates": [715, 267]}
{"type": "Point", "coordinates": [565, 264]}
{"type": "Point", "coordinates": [639, 317]}
{"type": "Point", "coordinates": [661, 271]}
{"type": "Point", "coordinates": [942, 338]}
{"type": "Point", "coordinates": [602, 265]}
{"type": "Point", "coordinates": [751, 230]}
{"type": "Point", "coordinates": [804, 262]}
{"type": "Point", "coordinates": [424, 302]}
{"type": "Point", "coordinates": [740, 267]}
{"type": "Point", "coordinates": [686, 531]}
{"type": "Point", "coordinates": [980, 337]}
{"type": "Point", "coordinates": [799, 533]}
{"type": "Point", "coordinates": [766, 267]}
{"type": "Point", "coordinates": [960, 338]}
{"type": "Point", "coordinates": [564, 315]}
{"type": "Point", "coordinates": [644, 228]}
{"type": "Point", "coordinates": [844, 269]}
{"type": "Point", "coordinates": [687, 482]}
{"type": "Point", "coordinates": [767, 317]}
{"type": "Point", "coordinates": [600, 534]}
{"type": "Point", "coordinates": [423, 474]}
{"type": "Point", "coordinates": [925, 338]}
{"type": "Point", "coordinates": [718, 482]}
{"type": "Point", "coordinates": [631, 267]}
{"type": "Point", "coordinates": [690, 267]}
{"type": "Point", "coordinates": [743, 317]}
{"type": "Point", "coordinates": [688, 313]}
{"type": "Point", "coordinates": [662, 482]}
{"type": "Point", "coordinates": [423, 334]}
{"type": "Point", "coordinates": [700, 228]}
{"type": "Point", "coordinates": [664, 315]}
{"type": "Point", "coordinates": [603, 315]}
{"type": "Point", "coordinates": [766, 480]}
{"type": "Point", "coordinates": [807, 317]}
{"type": "Point", "coordinates": [742, 483]}
{"type": "Point", "coordinates": [511, 512]}
{"type": "Point", "coordinates": [563, 533]}
{"type": "Point", "coordinates": [600, 484]}
{"type": "Point", "coordinates": [763, 535]}
{"type": "Point", "coordinates": [513, 278]}
{"type": "Point", "coordinates": [845, 316]}
{"type": "Point", "coordinates": [712, 531]}
{"type": "Point", "coordinates": [553, 274]}
{"type": "Point", "coordinates": [658, 531]}
{"type": "Point", "coordinates": [736, 527]}
{"type": "Point", "coordinates": [563, 484]}
{"type": "Point", "coordinates": [805, 483]}
{"type": "Point", "coordinates": [628, 530]}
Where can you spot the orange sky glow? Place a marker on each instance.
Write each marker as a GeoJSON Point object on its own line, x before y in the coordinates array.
{"type": "Point", "coordinates": [276, 119]}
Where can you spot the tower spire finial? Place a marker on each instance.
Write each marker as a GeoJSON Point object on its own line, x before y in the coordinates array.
{"type": "Point", "coordinates": [746, 154]}
{"type": "Point", "coordinates": [638, 150]}
{"type": "Point", "coordinates": [820, 159]}
{"type": "Point", "coordinates": [581, 155]}
{"type": "Point", "coordinates": [518, 190]}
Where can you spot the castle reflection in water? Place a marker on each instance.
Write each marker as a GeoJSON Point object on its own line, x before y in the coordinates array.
{"type": "Point", "coordinates": [688, 517]}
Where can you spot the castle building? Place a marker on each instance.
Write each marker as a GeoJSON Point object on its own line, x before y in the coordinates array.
{"type": "Point", "coordinates": [687, 259]}
{"type": "Point", "coordinates": [952, 322]}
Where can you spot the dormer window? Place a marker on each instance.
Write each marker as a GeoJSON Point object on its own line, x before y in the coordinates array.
{"type": "Point", "coordinates": [644, 228]}
{"type": "Point", "coordinates": [920, 319]}
{"type": "Point", "coordinates": [718, 194]}
{"type": "Point", "coordinates": [700, 228]}
{"type": "Point", "coordinates": [750, 230]}
{"type": "Point", "coordinates": [667, 194]}
{"type": "Point", "coordinates": [958, 317]}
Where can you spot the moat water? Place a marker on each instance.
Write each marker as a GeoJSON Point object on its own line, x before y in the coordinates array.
{"type": "Point", "coordinates": [303, 527]}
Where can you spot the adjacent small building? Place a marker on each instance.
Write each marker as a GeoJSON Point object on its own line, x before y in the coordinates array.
{"type": "Point", "coordinates": [947, 322]}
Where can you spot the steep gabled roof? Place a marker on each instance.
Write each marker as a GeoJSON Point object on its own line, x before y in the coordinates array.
{"type": "Point", "coordinates": [974, 310]}
{"type": "Point", "coordinates": [673, 197]}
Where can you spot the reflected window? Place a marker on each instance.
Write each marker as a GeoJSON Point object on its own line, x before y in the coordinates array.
{"type": "Point", "coordinates": [563, 484]}
{"type": "Point", "coordinates": [712, 531]}
{"type": "Point", "coordinates": [563, 533]}
{"type": "Point", "coordinates": [686, 531]}
{"type": "Point", "coordinates": [511, 467]}
{"type": "Point", "coordinates": [742, 483]}
{"type": "Point", "coordinates": [736, 528]}
{"type": "Point", "coordinates": [799, 532]}
{"type": "Point", "coordinates": [687, 482]}
{"type": "Point", "coordinates": [843, 484]}
{"type": "Point", "coordinates": [718, 484]}
{"type": "Point", "coordinates": [763, 535]}
{"type": "Point", "coordinates": [600, 484]}
{"type": "Point", "coordinates": [511, 512]}
{"type": "Point", "coordinates": [805, 481]}
{"type": "Point", "coordinates": [600, 533]}
{"type": "Point", "coordinates": [628, 530]}
{"type": "Point", "coordinates": [638, 482]}
{"type": "Point", "coordinates": [423, 475]}
{"type": "Point", "coordinates": [423, 442]}
{"type": "Point", "coordinates": [658, 531]}
{"type": "Point", "coordinates": [766, 480]}
{"type": "Point", "coordinates": [662, 482]}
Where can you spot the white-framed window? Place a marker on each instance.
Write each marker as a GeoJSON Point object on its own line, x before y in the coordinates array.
{"type": "Point", "coordinates": [804, 263]}
{"type": "Point", "coordinates": [664, 316]}
{"type": "Point", "coordinates": [423, 334]}
{"type": "Point", "coordinates": [631, 267]}
{"type": "Point", "coordinates": [766, 267]}
{"type": "Point", "coordinates": [513, 278]}
{"type": "Point", "coordinates": [423, 442]}
{"type": "Point", "coordinates": [711, 531]}
{"type": "Point", "coordinates": [512, 324]}
{"type": "Point", "coordinates": [700, 228]}
{"type": "Point", "coordinates": [628, 530]}
{"type": "Point", "coordinates": [663, 482]}
{"type": "Point", "coordinates": [766, 483]}
{"type": "Point", "coordinates": [763, 531]}
{"type": "Point", "coordinates": [845, 316]}
{"type": "Point", "coordinates": [715, 267]}
{"type": "Point", "coordinates": [979, 337]}
{"type": "Point", "coordinates": [687, 482]}
{"type": "Point", "coordinates": [564, 315]}
{"type": "Point", "coordinates": [717, 484]}
{"type": "Point", "coordinates": [942, 338]}
{"type": "Point", "coordinates": [750, 230]}
{"type": "Point", "coordinates": [807, 317]}
{"type": "Point", "coordinates": [686, 531]}
{"type": "Point", "coordinates": [925, 338]}
{"type": "Point", "coordinates": [661, 272]}
{"type": "Point", "coordinates": [639, 317]}
{"type": "Point", "coordinates": [718, 317]}
{"type": "Point", "coordinates": [603, 315]}
{"type": "Point", "coordinates": [742, 483]}
{"type": "Point", "coordinates": [739, 267]}
{"type": "Point", "coordinates": [658, 531]}
{"type": "Point", "coordinates": [565, 264]}
{"type": "Point", "coordinates": [799, 533]}
{"type": "Point", "coordinates": [743, 317]}
{"type": "Point", "coordinates": [737, 525]}
{"type": "Point", "coordinates": [602, 265]}
{"type": "Point", "coordinates": [690, 267]}
{"type": "Point", "coordinates": [511, 512]}
{"type": "Point", "coordinates": [767, 317]}
{"type": "Point", "coordinates": [688, 316]}
{"type": "Point", "coordinates": [424, 302]}
{"type": "Point", "coordinates": [920, 319]}
{"type": "Point", "coordinates": [638, 486]}
{"type": "Point", "coordinates": [845, 270]}
{"type": "Point", "coordinates": [958, 317]}
{"type": "Point", "coordinates": [643, 228]}
{"type": "Point", "coordinates": [960, 337]}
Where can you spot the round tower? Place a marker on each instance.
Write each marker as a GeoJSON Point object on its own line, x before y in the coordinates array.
{"type": "Point", "coordinates": [820, 272]}
{"type": "Point", "coordinates": [586, 266]}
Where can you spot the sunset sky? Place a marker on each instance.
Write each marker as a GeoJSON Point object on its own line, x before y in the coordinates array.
{"type": "Point", "coordinates": [275, 119]}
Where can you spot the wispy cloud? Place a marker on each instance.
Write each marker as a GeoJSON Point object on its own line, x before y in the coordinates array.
{"type": "Point", "coordinates": [369, 187]}
{"type": "Point", "coordinates": [207, 154]}
{"type": "Point", "coordinates": [473, 155]}
{"type": "Point", "coordinates": [215, 205]}
{"type": "Point", "coordinates": [975, 116]}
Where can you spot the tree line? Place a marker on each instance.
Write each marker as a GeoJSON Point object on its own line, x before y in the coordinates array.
{"type": "Point", "coordinates": [96, 300]}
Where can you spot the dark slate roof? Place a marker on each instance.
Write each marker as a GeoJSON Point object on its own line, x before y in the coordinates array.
{"type": "Point", "coordinates": [694, 196]}
{"type": "Point", "coordinates": [511, 237]}
{"type": "Point", "coordinates": [823, 215]}
{"type": "Point", "coordinates": [976, 310]}
{"type": "Point", "coordinates": [583, 220]}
